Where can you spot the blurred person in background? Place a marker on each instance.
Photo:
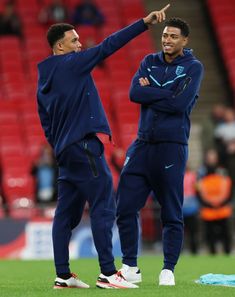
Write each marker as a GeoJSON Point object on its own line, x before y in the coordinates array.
{"type": "Point", "coordinates": [56, 12]}
{"type": "Point", "coordinates": [10, 23]}
{"type": "Point", "coordinates": [215, 192]}
{"type": "Point", "coordinates": [225, 136]}
{"type": "Point", "coordinates": [87, 13]}
{"type": "Point", "coordinates": [45, 173]}
{"type": "Point", "coordinates": [191, 209]}
{"type": "Point", "coordinates": [71, 115]}
{"type": "Point", "coordinates": [209, 125]}
{"type": "Point", "coordinates": [166, 86]}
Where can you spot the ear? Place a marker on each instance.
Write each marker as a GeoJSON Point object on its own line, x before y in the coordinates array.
{"type": "Point", "coordinates": [59, 47]}
{"type": "Point", "coordinates": [185, 41]}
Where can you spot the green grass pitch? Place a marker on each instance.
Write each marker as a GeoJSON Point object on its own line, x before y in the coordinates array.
{"type": "Point", "coordinates": [35, 278]}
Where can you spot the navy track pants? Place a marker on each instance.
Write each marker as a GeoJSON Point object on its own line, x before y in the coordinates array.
{"type": "Point", "coordinates": [84, 176]}
{"type": "Point", "coordinates": [157, 167]}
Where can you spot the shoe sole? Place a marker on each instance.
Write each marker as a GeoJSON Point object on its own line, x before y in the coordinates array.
{"type": "Point", "coordinates": [111, 286]}
{"type": "Point", "coordinates": [104, 287]}
{"type": "Point", "coordinates": [71, 287]}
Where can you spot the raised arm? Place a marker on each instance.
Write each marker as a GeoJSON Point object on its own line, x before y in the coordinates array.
{"type": "Point", "coordinates": [88, 59]}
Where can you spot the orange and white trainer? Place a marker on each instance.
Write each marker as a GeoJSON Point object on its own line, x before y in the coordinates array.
{"type": "Point", "coordinates": [72, 282]}
{"type": "Point", "coordinates": [114, 281]}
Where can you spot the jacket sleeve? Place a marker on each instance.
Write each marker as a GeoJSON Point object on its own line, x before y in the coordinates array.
{"type": "Point", "coordinates": [86, 60]}
{"type": "Point", "coordinates": [45, 122]}
{"type": "Point", "coordinates": [146, 95]}
{"type": "Point", "coordinates": [168, 101]}
{"type": "Point", "coordinates": [185, 93]}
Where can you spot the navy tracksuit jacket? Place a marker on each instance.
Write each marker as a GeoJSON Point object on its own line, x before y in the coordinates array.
{"type": "Point", "coordinates": [156, 160]}
{"type": "Point", "coordinates": [71, 113]}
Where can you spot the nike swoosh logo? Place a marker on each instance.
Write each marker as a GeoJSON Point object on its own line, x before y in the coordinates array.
{"type": "Point", "coordinates": [169, 166]}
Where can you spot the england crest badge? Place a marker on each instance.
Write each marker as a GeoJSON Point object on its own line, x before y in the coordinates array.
{"type": "Point", "coordinates": [179, 70]}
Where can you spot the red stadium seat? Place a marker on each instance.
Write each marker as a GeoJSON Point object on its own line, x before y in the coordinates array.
{"type": "Point", "coordinates": [11, 41]}
{"type": "Point", "coordinates": [28, 106]}
{"type": "Point", "coordinates": [23, 208]}
{"type": "Point", "coordinates": [21, 132]}
{"type": "Point", "coordinates": [136, 11]}
{"type": "Point", "coordinates": [35, 130]}
{"type": "Point", "coordinates": [223, 17]}
{"type": "Point", "coordinates": [15, 162]}
{"type": "Point", "coordinates": [12, 149]}
{"type": "Point", "coordinates": [30, 119]}
{"type": "Point", "coordinates": [12, 139]}
{"type": "Point", "coordinates": [70, 3]}
{"type": "Point", "coordinates": [8, 117]}
{"type": "Point", "coordinates": [33, 150]}
{"type": "Point", "coordinates": [10, 130]}
{"type": "Point", "coordinates": [87, 32]}
{"type": "Point", "coordinates": [35, 139]}
{"type": "Point", "coordinates": [16, 186]}
{"type": "Point", "coordinates": [2, 211]}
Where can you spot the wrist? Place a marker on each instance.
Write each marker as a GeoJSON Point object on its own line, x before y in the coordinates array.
{"type": "Point", "coordinates": [146, 22]}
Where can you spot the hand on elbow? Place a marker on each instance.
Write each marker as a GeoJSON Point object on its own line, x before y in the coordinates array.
{"type": "Point", "coordinates": [144, 81]}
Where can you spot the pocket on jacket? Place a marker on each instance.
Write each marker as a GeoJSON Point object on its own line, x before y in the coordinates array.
{"type": "Point", "coordinates": [93, 145]}
{"type": "Point", "coordinates": [93, 148]}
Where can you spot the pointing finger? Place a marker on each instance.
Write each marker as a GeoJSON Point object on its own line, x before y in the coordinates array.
{"type": "Point", "coordinates": [165, 8]}
{"type": "Point", "coordinates": [164, 16]}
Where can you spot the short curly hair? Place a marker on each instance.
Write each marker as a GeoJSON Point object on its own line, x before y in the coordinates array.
{"type": "Point", "coordinates": [178, 23]}
{"type": "Point", "coordinates": [56, 32]}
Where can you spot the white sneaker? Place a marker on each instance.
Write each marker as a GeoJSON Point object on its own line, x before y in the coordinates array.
{"type": "Point", "coordinates": [72, 282]}
{"type": "Point", "coordinates": [115, 281]}
{"type": "Point", "coordinates": [166, 278]}
{"type": "Point", "coordinates": [131, 274]}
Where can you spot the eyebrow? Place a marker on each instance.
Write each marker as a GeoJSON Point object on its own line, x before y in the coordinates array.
{"type": "Point", "coordinates": [172, 34]}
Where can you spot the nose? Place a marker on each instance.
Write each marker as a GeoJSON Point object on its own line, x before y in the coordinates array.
{"type": "Point", "coordinates": [79, 45]}
{"type": "Point", "coordinates": [167, 39]}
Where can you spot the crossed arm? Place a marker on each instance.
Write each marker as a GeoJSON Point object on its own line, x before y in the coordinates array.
{"type": "Point", "coordinates": [160, 99]}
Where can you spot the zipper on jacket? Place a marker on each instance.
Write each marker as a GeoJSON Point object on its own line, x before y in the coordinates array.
{"type": "Point", "coordinates": [165, 74]}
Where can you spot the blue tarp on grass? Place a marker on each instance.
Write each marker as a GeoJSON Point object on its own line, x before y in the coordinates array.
{"type": "Point", "coordinates": [217, 279]}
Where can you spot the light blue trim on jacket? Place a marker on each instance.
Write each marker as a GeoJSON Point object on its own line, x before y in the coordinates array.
{"type": "Point", "coordinates": [168, 82]}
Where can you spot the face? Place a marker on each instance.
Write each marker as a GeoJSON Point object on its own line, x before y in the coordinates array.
{"type": "Point", "coordinates": [70, 43]}
{"type": "Point", "coordinates": [229, 115]}
{"type": "Point", "coordinates": [173, 42]}
{"type": "Point", "coordinates": [211, 157]}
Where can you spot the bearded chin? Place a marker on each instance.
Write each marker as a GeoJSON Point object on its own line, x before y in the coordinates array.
{"type": "Point", "coordinates": [169, 54]}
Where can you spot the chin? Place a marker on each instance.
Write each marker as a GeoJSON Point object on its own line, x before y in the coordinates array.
{"type": "Point", "coordinates": [168, 53]}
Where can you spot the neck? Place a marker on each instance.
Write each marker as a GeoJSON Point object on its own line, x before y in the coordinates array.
{"type": "Point", "coordinates": [170, 58]}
